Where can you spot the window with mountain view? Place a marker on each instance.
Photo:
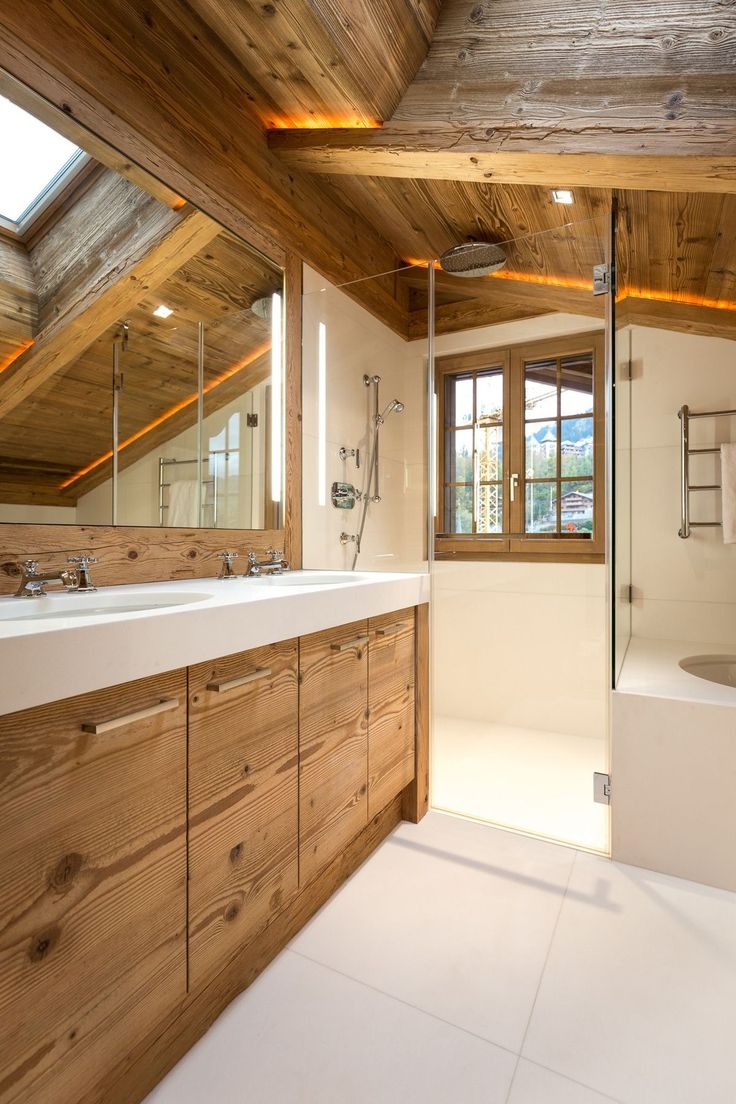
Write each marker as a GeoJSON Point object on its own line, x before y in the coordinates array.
{"type": "Point", "coordinates": [521, 450]}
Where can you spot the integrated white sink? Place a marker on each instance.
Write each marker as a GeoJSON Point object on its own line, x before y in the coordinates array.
{"type": "Point", "coordinates": [96, 604]}
{"type": "Point", "coordinates": [305, 578]}
{"type": "Point", "coordinates": [714, 668]}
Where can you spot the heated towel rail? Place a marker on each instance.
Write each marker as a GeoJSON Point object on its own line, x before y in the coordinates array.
{"type": "Point", "coordinates": [685, 414]}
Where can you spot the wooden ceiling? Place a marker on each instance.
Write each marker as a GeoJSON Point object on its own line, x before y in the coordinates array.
{"type": "Point", "coordinates": [63, 426]}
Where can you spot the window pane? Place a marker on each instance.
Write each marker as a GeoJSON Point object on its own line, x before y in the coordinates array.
{"type": "Point", "coordinates": [459, 509]}
{"type": "Point", "coordinates": [490, 509]}
{"type": "Point", "coordinates": [489, 397]}
{"type": "Point", "coordinates": [458, 400]}
{"type": "Point", "coordinates": [577, 447]}
{"type": "Point", "coordinates": [541, 449]}
{"type": "Point", "coordinates": [576, 508]}
{"type": "Point", "coordinates": [540, 389]}
{"type": "Point", "coordinates": [489, 443]}
{"type": "Point", "coordinates": [541, 507]}
{"type": "Point", "coordinates": [459, 464]}
{"type": "Point", "coordinates": [576, 396]}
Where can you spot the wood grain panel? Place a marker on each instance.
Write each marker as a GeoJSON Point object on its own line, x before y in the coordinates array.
{"type": "Point", "coordinates": [18, 300]}
{"type": "Point", "coordinates": [391, 735]}
{"type": "Point", "coordinates": [333, 743]}
{"type": "Point", "coordinates": [138, 1071]}
{"type": "Point", "coordinates": [243, 803]}
{"type": "Point", "coordinates": [415, 803]}
{"type": "Point", "coordinates": [92, 878]}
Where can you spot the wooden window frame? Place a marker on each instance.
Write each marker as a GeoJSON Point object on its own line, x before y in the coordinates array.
{"type": "Point", "coordinates": [509, 545]}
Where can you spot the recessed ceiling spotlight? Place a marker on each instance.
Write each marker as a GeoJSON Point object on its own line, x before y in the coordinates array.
{"type": "Point", "coordinates": [563, 195]}
{"type": "Point", "coordinates": [162, 311]}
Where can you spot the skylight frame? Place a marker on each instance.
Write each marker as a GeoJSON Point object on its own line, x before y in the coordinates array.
{"type": "Point", "coordinates": [55, 187]}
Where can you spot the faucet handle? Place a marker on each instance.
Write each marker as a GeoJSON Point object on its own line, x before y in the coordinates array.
{"type": "Point", "coordinates": [30, 567]}
{"type": "Point", "coordinates": [275, 554]}
{"type": "Point", "coordinates": [83, 560]}
{"type": "Point", "coordinates": [227, 557]}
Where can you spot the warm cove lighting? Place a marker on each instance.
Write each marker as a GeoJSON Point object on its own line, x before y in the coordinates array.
{"type": "Point", "coordinates": [190, 399]}
{"type": "Point", "coordinates": [321, 122]}
{"type": "Point", "coordinates": [12, 357]}
{"type": "Point", "coordinates": [163, 311]}
{"type": "Point", "coordinates": [683, 297]}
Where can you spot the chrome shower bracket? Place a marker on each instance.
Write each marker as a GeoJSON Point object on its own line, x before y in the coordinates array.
{"type": "Point", "coordinates": [350, 454]}
{"type": "Point", "coordinates": [349, 538]}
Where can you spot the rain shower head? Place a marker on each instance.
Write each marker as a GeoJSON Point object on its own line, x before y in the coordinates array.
{"type": "Point", "coordinates": [473, 259]}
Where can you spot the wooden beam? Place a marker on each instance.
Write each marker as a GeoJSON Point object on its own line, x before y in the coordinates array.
{"type": "Point", "coordinates": [143, 261]}
{"type": "Point", "coordinates": [469, 315]}
{"type": "Point", "coordinates": [679, 158]}
{"type": "Point", "coordinates": [681, 317]}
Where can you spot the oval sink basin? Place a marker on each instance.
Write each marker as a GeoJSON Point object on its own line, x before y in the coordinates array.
{"type": "Point", "coordinates": [55, 607]}
{"type": "Point", "coordinates": [305, 578]}
{"type": "Point", "coordinates": [714, 668]}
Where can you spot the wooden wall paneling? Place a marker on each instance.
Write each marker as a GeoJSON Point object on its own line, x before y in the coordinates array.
{"type": "Point", "coordinates": [391, 706]}
{"type": "Point", "coordinates": [415, 798]}
{"type": "Point", "coordinates": [140, 1069]}
{"type": "Point", "coordinates": [93, 869]}
{"type": "Point", "coordinates": [333, 743]}
{"type": "Point", "coordinates": [243, 800]}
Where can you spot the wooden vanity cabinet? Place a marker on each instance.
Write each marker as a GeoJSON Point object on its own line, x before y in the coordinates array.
{"type": "Point", "coordinates": [391, 706]}
{"type": "Point", "coordinates": [333, 743]}
{"type": "Point", "coordinates": [243, 799]}
{"type": "Point", "coordinates": [92, 882]}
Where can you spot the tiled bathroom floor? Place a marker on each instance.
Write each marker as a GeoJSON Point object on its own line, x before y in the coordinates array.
{"type": "Point", "coordinates": [465, 964]}
{"type": "Point", "coordinates": [521, 778]}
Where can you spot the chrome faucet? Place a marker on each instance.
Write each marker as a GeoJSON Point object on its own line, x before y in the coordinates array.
{"type": "Point", "coordinates": [33, 582]}
{"type": "Point", "coordinates": [226, 571]}
{"type": "Point", "coordinates": [274, 565]}
{"type": "Point", "coordinates": [84, 580]}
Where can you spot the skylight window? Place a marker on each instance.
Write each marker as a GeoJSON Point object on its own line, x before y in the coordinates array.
{"type": "Point", "coordinates": [35, 157]}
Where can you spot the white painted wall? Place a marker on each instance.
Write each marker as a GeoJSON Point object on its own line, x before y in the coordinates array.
{"type": "Point", "coordinates": [516, 643]}
{"type": "Point", "coordinates": [683, 589]}
{"type": "Point", "coordinates": [37, 515]}
{"type": "Point", "coordinates": [357, 343]}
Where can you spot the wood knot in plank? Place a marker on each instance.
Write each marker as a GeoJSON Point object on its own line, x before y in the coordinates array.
{"type": "Point", "coordinates": [42, 944]}
{"type": "Point", "coordinates": [66, 871]}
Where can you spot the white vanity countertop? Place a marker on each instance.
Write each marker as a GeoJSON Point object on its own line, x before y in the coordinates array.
{"type": "Point", "coordinates": [46, 660]}
{"type": "Point", "coordinates": [651, 667]}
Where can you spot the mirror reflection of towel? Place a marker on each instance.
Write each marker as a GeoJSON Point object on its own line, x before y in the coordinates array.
{"type": "Point", "coordinates": [728, 492]}
{"type": "Point", "coordinates": [183, 503]}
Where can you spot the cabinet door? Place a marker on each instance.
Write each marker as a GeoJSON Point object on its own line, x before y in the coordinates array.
{"type": "Point", "coordinates": [92, 882]}
{"type": "Point", "coordinates": [333, 743]}
{"type": "Point", "coordinates": [243, 804]}
{"type": "Point", "coordinates": [390, 707]}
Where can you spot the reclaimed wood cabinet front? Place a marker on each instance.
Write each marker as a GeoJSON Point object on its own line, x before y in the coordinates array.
{"type": "Point", "coordinates": [243, 805]}
{"type": "Point", "coordinates": [391, 714]}
{"type": "Point", "coordinates": [92, 882]}
{"type": "Point", "coordinates": [333, 743]}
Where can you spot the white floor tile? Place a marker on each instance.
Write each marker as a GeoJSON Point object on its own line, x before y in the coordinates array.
{"type": "Point", "coordinates": [534, 781]}
{"type": "Point", "coordinates": [534, 1085]}
{"type": "Point", "coordinates": [452, 917]}
{"type": "Point", "coordinates": [303, 1034]}
{"type": "Point", "coordinates": [639, 991]}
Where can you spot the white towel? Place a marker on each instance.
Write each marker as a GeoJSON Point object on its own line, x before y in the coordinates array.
{"type": "Point", "coordinates": [728, 492]}
{"type": "Point", "coordinates": [183, 504]}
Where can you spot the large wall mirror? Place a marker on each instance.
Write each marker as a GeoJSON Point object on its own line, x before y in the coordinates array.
{"type": "Point", "coordinates": [141, 350]}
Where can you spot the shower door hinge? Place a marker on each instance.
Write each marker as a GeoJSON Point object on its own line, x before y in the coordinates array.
{"type": "Point", "coordinates": [601, 279]}
{"type": "Point", "coordinates": [251, 421]}
{"type": "Point", "coordinates": [602, 788]}
{"type": "Point", "coordinates": [630, 594]}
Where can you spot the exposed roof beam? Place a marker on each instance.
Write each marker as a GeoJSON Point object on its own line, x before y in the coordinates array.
{"type": "Point", "coordinates": [146, 257]}
{"type": "Point", "coordinates": [704, 157]}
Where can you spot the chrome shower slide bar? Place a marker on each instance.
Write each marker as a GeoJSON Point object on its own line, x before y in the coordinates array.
{"type": "Point", "coordinates": [685, 414]}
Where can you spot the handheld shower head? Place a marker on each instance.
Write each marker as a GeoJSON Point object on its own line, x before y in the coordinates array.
{"type": "Point", "coordinates": [394, 405]}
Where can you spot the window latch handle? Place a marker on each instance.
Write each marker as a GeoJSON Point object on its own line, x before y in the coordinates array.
{"type": "Point", "coordinates": [513, 484]}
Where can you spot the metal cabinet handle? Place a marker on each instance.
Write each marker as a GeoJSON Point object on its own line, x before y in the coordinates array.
{"type": "Point", "coordinates": [232, 684]}
{"type": "Point", "coordinates": [99, 728]}
{"type": "Point", "coordinates": [354, 643]}
{"type": "Point", "coordinates": [513, 484]}
{"type": "Point", "coordinates": [389, 630]}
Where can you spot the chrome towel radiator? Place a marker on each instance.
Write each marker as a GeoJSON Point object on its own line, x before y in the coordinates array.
{"type": "Point", "coordinates": [685, 414]}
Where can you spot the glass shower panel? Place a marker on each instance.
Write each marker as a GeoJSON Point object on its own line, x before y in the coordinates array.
{"type": "Point", "coordinates": [520, 632]}
{"type": "Point", "coordinates": [364, 438]}
{"type": "Point", "coordinates": [621, 498]}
